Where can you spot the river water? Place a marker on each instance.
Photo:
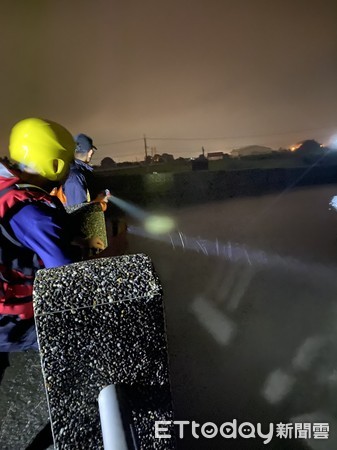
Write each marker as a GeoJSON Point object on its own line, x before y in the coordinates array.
{"type": "Point", "coordinates": [251, 308]}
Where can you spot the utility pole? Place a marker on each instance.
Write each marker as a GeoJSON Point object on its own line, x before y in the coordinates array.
{"type": "Point", "coordinates": [146, 147]}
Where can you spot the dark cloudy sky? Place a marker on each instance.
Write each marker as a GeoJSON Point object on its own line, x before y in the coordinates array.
{"type": "Point", "coordinates": [243, 71]}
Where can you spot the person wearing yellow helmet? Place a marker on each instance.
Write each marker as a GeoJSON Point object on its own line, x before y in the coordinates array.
{"type": "Point", "coordinates": [33, 224]}
{"type": "Point", "coordinates": [42, 147]}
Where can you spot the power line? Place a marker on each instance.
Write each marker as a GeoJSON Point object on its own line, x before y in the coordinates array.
{"type": "Point", "coordinates": [199, 138]}
{"type": "Point", "coordinates": [120, 142]}
{"type": "Point", "coordinates": [282, 133]}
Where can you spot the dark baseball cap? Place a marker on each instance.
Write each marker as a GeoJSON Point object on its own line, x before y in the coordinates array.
{"type": "Point", "coordinates": [83, 143]}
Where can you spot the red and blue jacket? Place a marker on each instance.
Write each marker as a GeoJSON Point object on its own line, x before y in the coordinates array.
{"type": "Point", "coordinates": [32, 236]}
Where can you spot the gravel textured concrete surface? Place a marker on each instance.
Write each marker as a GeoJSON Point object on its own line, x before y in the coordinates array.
{"type": "Point", "coordinates": [101, 322]}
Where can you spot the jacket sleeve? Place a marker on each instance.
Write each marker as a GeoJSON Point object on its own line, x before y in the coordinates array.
{"type": "Point", "coordinates": [75, 188]}
{"type": "Point", "coordinates": [39, 227]}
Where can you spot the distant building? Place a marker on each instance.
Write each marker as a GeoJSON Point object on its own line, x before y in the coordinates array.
{"type": "Point", "coordinates": [251, 150]}
{"type": "Point", "coordinates": [164, 158]}
{"type": "Point", "coordinates": [200, 163]}
{"type": "Point", "coordinates": [107, 163]}
{"type": "Point", "coordinates": [167, 157]}
{"type": "Point", "coordinates": [215, 156]}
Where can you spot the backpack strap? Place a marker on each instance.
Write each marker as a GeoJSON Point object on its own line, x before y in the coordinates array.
{"type": "Point", "coordinates": [2, 227]}
{"type": "Point", "coordinates": [15, 187]}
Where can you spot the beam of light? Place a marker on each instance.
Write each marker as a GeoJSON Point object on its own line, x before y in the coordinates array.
{"type": "Point", "coordinates": [240, 288]}
{"type": "Point", "coordinates": [131, 209]}
{"type": "Point", "coordinates": [266, 210]}
{"type": "Point", "coordinates": [219, 326]}
{"type": "Point", "coordinates": [235, 252]}
{"type": "Point", "coordinates": [333, 142]}
{"type": "Point", "coordinates": [154, 224]}
{"type": "Point", "coordinates": [280, 382]}
{"type": "Point", "coordinates": [333, 203]}
{"type": "Point", "coordinates": [309, 350]}
{"type": "Point", "coordinates": [277, 386]}
{"type": "Point", "coordinates": [227, 284]}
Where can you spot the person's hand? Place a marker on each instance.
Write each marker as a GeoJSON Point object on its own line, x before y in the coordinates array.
{"type": "Point", "coordinates": [95, 243]}
{"type": "Point", "coordinates": [103, 196]}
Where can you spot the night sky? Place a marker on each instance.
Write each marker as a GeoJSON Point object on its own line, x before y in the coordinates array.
{"type": "Point", "coordinates": [214, 73]}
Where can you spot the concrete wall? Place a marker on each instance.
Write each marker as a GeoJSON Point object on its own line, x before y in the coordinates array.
{"type": "Point", "coordinates": [176, 189]}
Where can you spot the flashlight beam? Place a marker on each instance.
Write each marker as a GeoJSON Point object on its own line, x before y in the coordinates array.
{"type": "Point", "coordinates": [129, 208]}
{"type": "Point", "coordinates": [235, 252]}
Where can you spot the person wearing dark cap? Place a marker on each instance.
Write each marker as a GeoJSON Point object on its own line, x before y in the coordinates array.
{"type": "Point", "coordinates": [78, 184]}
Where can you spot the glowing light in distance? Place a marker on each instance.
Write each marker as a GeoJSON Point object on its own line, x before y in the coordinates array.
{"type": "Point", "coordinates": [154, 224]}
{"type": "Point", "coordinates": [333, 142]}
{"type": "Point", "coordinates": [159, 224]}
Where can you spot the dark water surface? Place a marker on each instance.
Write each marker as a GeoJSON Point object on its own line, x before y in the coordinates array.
{"type": "Point", "coordinates": [251, 310]}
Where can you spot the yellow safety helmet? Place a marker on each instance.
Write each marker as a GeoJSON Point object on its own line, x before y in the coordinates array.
{"type": "Point", "coordinates": [45, 147]}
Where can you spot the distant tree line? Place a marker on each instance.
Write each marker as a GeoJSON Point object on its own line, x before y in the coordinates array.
{"type": "Point", "coordinates": [308, 151]}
